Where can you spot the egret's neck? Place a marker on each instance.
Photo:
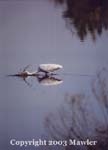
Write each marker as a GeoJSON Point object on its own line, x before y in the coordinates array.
{"type": "Point", "coordinates": [32, 73]}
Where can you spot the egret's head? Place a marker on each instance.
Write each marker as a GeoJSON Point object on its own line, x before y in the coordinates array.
{"type": "Point", "coordinates": [60, 67]}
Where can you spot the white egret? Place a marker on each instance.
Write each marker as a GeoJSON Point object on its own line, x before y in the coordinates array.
{"type": "Point", "coordinates": [43, 70]}
{"type": "Point", "coordinates": [47, 68]}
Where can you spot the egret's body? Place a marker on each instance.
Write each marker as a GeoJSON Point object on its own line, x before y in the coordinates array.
{"type": "Point", "coordinates": [47, 68]}
{"type": "Point", "coordinates": [43, 70]}
{"type": "Point", "coordinates": [43, 74]}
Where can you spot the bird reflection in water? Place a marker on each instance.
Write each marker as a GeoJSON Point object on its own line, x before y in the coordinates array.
{"type": "Point", "coordinates": [44, 80]}
{"type": "Point", "coordinates": [49, 80]}
{"type": "Point", "coordinates": [44, 75]}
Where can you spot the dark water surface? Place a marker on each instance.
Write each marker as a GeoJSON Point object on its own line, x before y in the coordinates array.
{"type": "Point", "coordinates": [35, 32]}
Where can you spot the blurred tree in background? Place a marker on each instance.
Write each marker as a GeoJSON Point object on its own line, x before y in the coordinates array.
{"type": "Point", "coordinates": [85, 16]}
{"type": "Point", "coordinates": [83, 117]}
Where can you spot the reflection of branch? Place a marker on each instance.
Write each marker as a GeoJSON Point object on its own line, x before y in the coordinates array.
{"type": "Point", "coordinates": [58, 1]}
{"type": "Point", "coordinates": [53, 130]}
{"type": "Point", "coordinates": [101, 92]}
{"type": "Point", "coordinates": [78, 118]}
{"type": "Point", "coordinates": [25, 80]}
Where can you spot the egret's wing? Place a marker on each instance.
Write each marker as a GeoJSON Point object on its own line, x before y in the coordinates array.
{"type": "Point", "coordinates": [50, 67]}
